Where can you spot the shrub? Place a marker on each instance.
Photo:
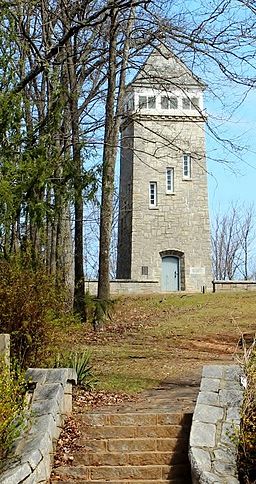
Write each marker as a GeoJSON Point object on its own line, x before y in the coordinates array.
{"type": "Point", "coordinates": [98, 310]}
{"type": "Point", "coordinates": [80, 362]}
{"type": "Point", "coordinates": [12, 407]}
{"type": "Point", "coordinates": [247, 440]}
{"type": "Point", "coordinates": [26, 298]}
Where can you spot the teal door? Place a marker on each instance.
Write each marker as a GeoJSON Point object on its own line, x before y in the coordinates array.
{"type": "Point", "coordinates": [170, 274]}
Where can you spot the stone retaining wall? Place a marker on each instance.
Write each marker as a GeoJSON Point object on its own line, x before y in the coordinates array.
{"type": "Point", "coordinates": [216, 419]}
{"type": "Point", "coordinates": [233, 286]}
{"type": "Point", "coordinates": [51, 402]}
{"type": "Point", "coordinates": [125, 286]}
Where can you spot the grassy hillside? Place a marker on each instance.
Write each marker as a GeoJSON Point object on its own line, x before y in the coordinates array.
{"type": "Point", "coordinates": [152, 338]}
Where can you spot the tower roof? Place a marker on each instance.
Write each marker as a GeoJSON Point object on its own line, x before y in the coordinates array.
{"type": "Point", "coordinates": [163, 68]}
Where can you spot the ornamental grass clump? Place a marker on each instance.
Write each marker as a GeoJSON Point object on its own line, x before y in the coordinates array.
{"type": "Point", "coordinates": [80, 361]}
{"type": "Point", "coordinates": [247, 440]}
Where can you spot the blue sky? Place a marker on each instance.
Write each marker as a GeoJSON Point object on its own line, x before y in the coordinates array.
{"type": "Point", "coordinates": [233, 178]}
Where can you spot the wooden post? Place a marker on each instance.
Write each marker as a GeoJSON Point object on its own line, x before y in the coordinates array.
{"type": "Point", "coordinates": [5, 349]}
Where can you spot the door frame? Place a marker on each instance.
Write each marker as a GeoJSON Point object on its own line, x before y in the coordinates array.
{"type": "Point", "coordinates": [178, 270]}
{"type": "Point", "coordinates": [181, 260]}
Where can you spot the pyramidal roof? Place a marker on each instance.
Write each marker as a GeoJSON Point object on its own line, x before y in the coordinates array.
{"type": "Point", "coordinates": [162, 67]}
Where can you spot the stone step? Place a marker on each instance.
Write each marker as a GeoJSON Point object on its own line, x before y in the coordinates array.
{"type": "Point", "coordinates": [154, 473]}
{"type": "Point", "coordinates": [134, 445]}
{"type": "Point", "coordinates": [76, 481]}
{"type": "Point", "coordinates": [132, 459]}
{"type": "Point", "coordinates": [130, 448]}
{"type": "Point", "coordinates": [127, 432]}
{"type": "Point", "coordinates": [136, 419]}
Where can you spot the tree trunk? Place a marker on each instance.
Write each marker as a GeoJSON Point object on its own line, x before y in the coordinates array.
{"type": "Point", "coordinates": [113, 120]}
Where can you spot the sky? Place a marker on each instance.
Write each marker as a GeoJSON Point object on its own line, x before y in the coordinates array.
{"type": "Point", "coordinates": [232, 178]}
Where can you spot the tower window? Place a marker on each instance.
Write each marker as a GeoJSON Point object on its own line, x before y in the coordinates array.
{"type": "Point", "coordinates": [195, 102]}
{"type": "Point", "coordinates": [152, 194]}
{"type": "Point", "coordinates": [192, 103]}
{"type": "Point", "coordinates": [147, 102]}
{"type": "Point", "coordinates": [169, 102]}
{"type": "Point", "coordinates": [186, 103]}
{"type": "Point", "coordinates": [151, 102]}
{"type": "Point", "coordinates": [186, 165]}
{"type": "Point", "coordinates": [173, 102]}
{"type": "Point", "coordinates": [164, 102]}
{"type": "Point", "coordinates": [143, 102]}
{"type": "Point", "coordinates": [169, 180]}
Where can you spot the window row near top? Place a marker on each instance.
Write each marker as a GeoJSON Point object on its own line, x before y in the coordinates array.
{"type": "Point", "coordinates": [164, 102]}
{"type": "Point", "coordinates": [169, 177]}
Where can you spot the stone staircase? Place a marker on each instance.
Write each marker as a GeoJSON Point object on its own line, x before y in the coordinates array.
{"type": "Point", "coordinates": [137, 444]}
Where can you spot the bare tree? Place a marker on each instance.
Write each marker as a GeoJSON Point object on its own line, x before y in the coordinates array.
{"type": "Point", "coordinates": [232, 237]}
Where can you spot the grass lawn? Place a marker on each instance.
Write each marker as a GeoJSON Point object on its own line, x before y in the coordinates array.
{"type": "Point", "coordinates": [151, 338]}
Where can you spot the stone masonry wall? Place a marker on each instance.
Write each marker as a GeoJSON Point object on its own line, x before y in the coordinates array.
{"type": "Point", "coordinates": [230, 286]}
{"type": "Point", "coordinates": [216, 420]}
{"type": "Point", "coordinates": [124, 286]}
{"type": "Point", "coordinates": [125, 204]}
{"type": "Point", "coordinates": [180, 221]}
{"type": "Point", "coordinates": [31, 459]}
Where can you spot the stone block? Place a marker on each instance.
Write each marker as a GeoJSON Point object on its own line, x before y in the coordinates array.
{"type": "Point", "coordinates": [101, 458]}
{"type": "Point", "coordinates": [43, 471]}
{"type": "Point", "coordinates": [225, 468]}
{"type": "Point", "coordinates": [17, 474]}
{"type": "Point", "coordinates": [210, 385]}
{"type": "Point", "coordinates": [174, 419]}
{"type": "Point", "coordinates": [233, 415]}
{"type": "Point", "coordinates": [36, 375]}
{"type": "Point", "coordinates": [48, 392]}
{"type": "Point", "coordinates": [233, 373]}
{"type": "Point", "coordinates": [203, 435]}
{"type": "Point", "coordinates": [230, 398]}
{"type": "Point", "coordinates": [231, 385]}
{"type": "Point", "coordinates": [211, 478]}
{"type": "Point", "coordinates": [94, 445]}
{"type": "Point", "coordinates": [213, 371]}
{"type": "Point", "coordinates": [97, 419]}
{"type": "Point", "coordinates": [109, 432]}
{"type": "Point", "coordinates": [133, 419]}
{"type": "Point", "coordinates": [43, 425]}
{"type": "Point", "coordinates": [168, 445]}
{"type": "Point", "coordinates": [159, 431]}
{"type": "Point", "coordinates": [208, 413]}
{"type": "Point", "coordinates": [200, 460]}
{"type": "Point", "coordinates": [229, 434]}
{"type": "Point", "coordinates": [45, 407]}
{"type": "Point", "coordinates": [208, 398]}
{"type": "Point", "coordinates": [127, 445]}
{"type": "Point", "coordinates": [125, 473]}
{"type": "Point", "coordinates": [32, 458]}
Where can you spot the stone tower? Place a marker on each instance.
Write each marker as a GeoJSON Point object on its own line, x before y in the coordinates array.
{"type": "Point", "coordinates": [164, 233]}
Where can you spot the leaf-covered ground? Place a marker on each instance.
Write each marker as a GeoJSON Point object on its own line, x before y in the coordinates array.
{"type": "Point", "coordinates": [153, 338]}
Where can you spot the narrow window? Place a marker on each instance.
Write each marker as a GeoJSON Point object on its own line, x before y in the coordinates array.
{"type": "Point", "coordinates": [186, 103]}
{"type": "Point", "coordinates": [142, 102]}
{"type": "Point", "coordinates": [151, 102]}
{"type": "Point", "coordinates": [152, 194]}
{"type": "Point", "coordinates": [131, 104]}
{"type": "Point", "coordinates": [164, 102]}
{"type": "Point", "coordinates": [169, 180]}
{"type": "Point", "coordinates": [144, 270]}
{"type": "Point", "coordinates": [173, 102]}
{"type": "Point", "coordinates": [187, 165]}
{"type": "Point", "coordinates": [195, 102]}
